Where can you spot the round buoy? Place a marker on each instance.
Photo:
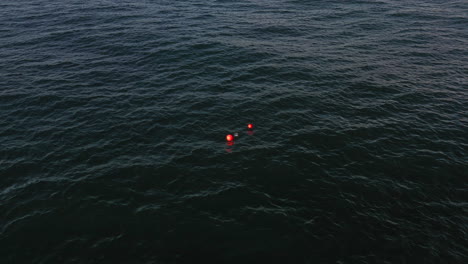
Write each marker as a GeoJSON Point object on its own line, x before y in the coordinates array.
{"type": "Point", "coordinates": [250, 126]}
{"type": "Point", "coordinates": [229, 137]}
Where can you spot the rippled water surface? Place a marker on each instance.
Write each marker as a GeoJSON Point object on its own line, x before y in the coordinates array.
{"type": "Point", "coordinates": [113, 116]}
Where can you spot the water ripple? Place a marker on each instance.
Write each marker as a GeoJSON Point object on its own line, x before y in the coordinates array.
{"type": "Point", "coordinates": [113, 116]}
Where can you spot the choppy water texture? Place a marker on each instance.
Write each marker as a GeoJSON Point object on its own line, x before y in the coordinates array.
{"type": "Point", "coordinates": [113, 116]}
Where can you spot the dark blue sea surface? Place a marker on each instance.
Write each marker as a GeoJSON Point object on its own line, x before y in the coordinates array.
{"type": "Point", "coordinates": [113, 117]}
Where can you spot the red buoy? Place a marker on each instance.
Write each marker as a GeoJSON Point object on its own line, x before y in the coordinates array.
{"type": "Point", "coordinates": [250, 126]}
{"type": "Point", "coordinates": [229, 137]}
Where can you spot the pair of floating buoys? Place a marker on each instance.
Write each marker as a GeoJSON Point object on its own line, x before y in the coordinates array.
{"type": "Point", "coordinates": [230, 137]}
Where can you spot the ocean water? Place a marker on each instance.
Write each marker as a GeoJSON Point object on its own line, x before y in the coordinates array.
{"type": "Point", "coordinates": [113, 117]}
